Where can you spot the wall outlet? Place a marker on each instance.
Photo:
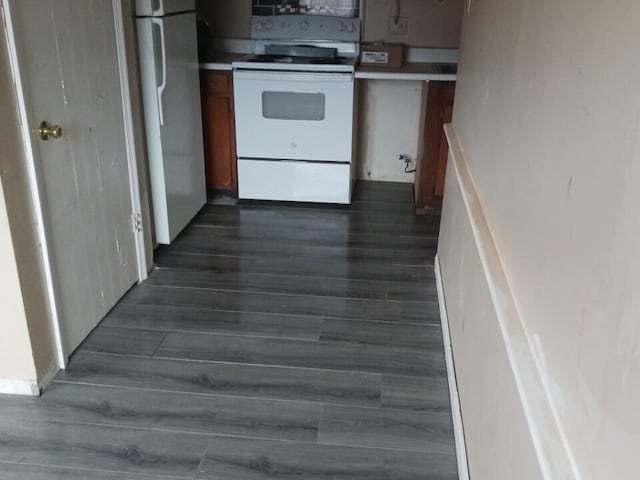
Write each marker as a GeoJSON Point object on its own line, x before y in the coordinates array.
{"type": "Point", "coordinates": [401, 27]}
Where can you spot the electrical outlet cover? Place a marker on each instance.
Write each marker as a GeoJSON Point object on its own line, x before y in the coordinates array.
{"type": "Point", "coordinates": [401, 27]}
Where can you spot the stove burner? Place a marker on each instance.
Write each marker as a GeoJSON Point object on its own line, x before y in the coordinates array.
{"type": "Point", "coordinates": [298, 60]}
{"type": "Point", "coordinates": [271, 59]}
{"type": "Point", "coordinates": [327, 61]}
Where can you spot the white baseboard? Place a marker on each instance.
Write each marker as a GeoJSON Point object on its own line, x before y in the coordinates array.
{"type": "Point", "coordinates": [19, 387]}
{"type": "Point", "coordinates": [458, 427]}
{"type": "Point", "coordinates": [48, 377]}
{"type": "Point", "coordinates": [31, 388]}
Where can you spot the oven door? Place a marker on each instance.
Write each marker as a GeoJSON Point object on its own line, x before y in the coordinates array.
{"type": "Point", "coordinates": [294, 115]}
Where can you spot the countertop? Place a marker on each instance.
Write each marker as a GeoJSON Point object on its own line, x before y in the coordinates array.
{"type": "Point", "coordinates": [223, 61]}
{"type": "Point", "coordinates": [414, 71]}
{"type": "Point", "coordinates": [409, 71]}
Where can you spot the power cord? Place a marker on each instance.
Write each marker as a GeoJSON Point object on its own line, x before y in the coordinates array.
{"type": "Point", "coordinates": [407, 161]}
{"type": "Point", "coordinates": [396, 17]}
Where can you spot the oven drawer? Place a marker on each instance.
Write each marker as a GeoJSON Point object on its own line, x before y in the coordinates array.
{"type": "Point", "coordinates": [294, 115]}
{"type": "Point", "coordinates": [293, 181]}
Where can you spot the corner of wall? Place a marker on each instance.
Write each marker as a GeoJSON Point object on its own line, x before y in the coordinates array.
{"type": "Point", "coordinates": [46, 376]}
{"type": "Point", "coordinates": [17, 364]}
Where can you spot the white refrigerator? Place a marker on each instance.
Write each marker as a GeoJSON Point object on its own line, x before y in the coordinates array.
{"type": "Point", "coordinates": [168, 49]}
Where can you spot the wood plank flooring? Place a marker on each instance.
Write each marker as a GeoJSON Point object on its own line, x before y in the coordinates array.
{"type": "Point", "coordinates": [271, 341]}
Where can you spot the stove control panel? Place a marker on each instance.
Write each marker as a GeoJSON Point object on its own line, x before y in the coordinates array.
{"type": "Point", "coordinates": [305, 27]}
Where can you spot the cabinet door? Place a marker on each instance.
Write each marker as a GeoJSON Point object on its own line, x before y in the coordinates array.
{"type": "Point", "coordinates": [430, 175]}
{"type": "Point", "coordinates": [219, 131]}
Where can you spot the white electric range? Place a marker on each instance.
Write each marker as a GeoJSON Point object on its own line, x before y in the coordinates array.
{"type": "Point", "coordinates": [295, 110]}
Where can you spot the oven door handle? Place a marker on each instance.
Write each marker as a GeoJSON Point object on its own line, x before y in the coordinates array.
{"type": "Point", "coordinates": [289, 76]}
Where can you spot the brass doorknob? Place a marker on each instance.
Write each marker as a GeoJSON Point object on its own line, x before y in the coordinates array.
{"type": "Point", "coordinates": [47, 131]}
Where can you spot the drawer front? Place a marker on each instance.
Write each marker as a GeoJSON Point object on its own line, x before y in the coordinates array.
{"type": "Point", "coordinates": [292, 181]}
{"type": "Point", "coordinates": [218, 82]}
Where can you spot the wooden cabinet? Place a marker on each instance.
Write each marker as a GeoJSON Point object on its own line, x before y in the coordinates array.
{"type": "Point", "coordinates": [430, 175]}
{"type": "Point", "coordinates": [218, 123]}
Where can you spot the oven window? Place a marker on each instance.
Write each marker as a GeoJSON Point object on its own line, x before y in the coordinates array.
{"type": "Point", "coordinates": [293, 106]}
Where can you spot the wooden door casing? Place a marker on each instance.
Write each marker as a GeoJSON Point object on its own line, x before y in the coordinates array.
{"type": "Point", "coordinates": [430, 174]}
{"type": "Point", "coordinates": [443, 155]}
{"type": "Point", "coordinates": [218, 121]}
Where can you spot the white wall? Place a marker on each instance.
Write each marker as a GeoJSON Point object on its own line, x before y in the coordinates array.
{"type": "Point", "coordinates": [548, 116]}
{"type": "Point", "coordinates": [391, 122]}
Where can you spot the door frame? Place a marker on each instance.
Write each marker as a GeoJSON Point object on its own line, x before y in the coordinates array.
{"type": "Point", "coordinates": [35, 184]}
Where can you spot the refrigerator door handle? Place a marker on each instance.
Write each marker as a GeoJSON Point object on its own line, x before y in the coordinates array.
{"type": "Point", "coordinates": [160, 88]}
{"type": "Point", "coordinates": [159, 10]}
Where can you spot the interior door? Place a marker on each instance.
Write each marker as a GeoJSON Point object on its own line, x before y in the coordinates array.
{"type": "Point", "coordinates": [69, 70]}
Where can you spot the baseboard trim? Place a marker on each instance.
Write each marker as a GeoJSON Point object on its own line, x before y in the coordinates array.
{"type": "Point", "coordinates": [48, 377]}
{"type": "Point", "coordinates": [19, 387]}
{"type": "Point", "coordinates": [458, 426]}
{"type": "Point", "coordinates": [29, 388]}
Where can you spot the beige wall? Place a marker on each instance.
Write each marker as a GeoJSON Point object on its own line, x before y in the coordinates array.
{"type": "Point", "coordinates": [227, 18]}
{"type": "Point", "coordinates": [432, 23]}
{"type": "Point", "coordinates": [27, 349]}
{"type": "Point", "coordinates": [499, 443]}
{"type": "Point", "coordinates": [548, 115]}
{"type": "Point", "coordinates": [16, 360]}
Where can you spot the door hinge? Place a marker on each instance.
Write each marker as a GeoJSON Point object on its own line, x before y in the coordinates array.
{"type": "Point", "coordinates": [136, 222]}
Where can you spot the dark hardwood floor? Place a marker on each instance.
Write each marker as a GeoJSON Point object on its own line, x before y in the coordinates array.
{"type": "Point", "coordinates": [290, 342]}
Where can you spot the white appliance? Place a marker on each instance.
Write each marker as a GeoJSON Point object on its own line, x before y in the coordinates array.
{"type": "Point", "coordinates": [168, 50]}
{"type": "Point", "coordinates": [294, 115]}
{"type": "Point", "coordinates": [295, 110]}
